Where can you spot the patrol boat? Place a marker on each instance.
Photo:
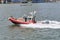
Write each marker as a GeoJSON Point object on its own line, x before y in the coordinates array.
{"type": "Point", "coordinates": [24, 19]}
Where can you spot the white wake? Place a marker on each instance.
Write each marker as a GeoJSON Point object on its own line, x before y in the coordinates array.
{"type": "Point", "coordinates": [43, 24]}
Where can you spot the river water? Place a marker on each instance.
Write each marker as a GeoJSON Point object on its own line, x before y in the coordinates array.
{"type": "Point", "coordinates": [45, 11]}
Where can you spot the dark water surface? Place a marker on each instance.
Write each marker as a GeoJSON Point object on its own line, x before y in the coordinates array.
{"type": "Point", "coordinates": [8, 31]}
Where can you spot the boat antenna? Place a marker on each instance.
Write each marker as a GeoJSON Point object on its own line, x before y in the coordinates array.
{"type": "Point", "coordinates": [24, 15]}
{"type": "Point", "coordinates": [33, 13]}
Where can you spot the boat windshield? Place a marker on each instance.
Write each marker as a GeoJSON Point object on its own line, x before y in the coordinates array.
{"type": "Point", "coordinates": [29, 18]}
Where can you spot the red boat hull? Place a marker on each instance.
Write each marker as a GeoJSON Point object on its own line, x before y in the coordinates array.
{"type": "Point", "coordinates": [16, 21]}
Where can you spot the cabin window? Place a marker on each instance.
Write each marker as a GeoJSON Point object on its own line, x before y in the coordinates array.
{"type": "Point", "coordinates": [29, 18]}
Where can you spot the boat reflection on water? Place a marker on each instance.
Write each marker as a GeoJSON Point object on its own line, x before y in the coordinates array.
{"type": "Point", "coordinates": [14, 26]}
{"type": "Point", "coordinates": [19, 27]}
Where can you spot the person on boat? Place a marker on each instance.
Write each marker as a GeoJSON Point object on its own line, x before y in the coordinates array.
{"type": "Point", "coordinates": [34, 19]}
{"type": "Point", "coordinates": [25, 18]}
